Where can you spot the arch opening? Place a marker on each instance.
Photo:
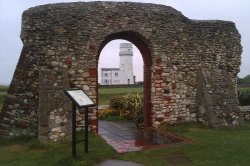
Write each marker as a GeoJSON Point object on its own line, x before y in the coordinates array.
{"type": "Point", "coordinates": [142, 45]}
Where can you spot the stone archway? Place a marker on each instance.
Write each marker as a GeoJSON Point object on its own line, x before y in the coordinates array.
{"type": "Point", "coordinates": [141, 43]}
{"type": "Point", "coordinates": [191, 66]}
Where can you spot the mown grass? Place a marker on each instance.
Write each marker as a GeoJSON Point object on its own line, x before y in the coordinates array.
{"type": "Point", "coordinates": [211, 147]}
{"type": "Point", "coordinates": [228, 147]}
{"type": "Point", "coordinates": [215, 146]}
{"type": "Point", "coordinates": [244, 89]}
{"type": "Point", "coordinates": [30, 152]}
{"type": "Point", "coordinates": [4, 88]}
{"type": "Point", "coordinates": [105, 94]}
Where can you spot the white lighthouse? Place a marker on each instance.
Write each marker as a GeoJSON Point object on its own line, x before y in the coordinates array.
{"type": "Point", "coordinates": [126, 63]}
{"type": "Point", "coordinates": [124, 74]}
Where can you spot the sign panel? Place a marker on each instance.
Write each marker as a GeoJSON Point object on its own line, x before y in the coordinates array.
{"type": "Point", "coordinates": [79, 98]}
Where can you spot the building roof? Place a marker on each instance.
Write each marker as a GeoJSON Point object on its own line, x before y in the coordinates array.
{"type": "Point", "coordinates": [109, 69]}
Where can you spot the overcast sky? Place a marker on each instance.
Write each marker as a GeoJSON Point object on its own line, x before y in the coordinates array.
{"type": "Point", "coordinates": [11, 11]}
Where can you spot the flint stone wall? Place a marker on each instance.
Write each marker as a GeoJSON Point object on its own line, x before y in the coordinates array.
{"type": "Point", "coordinates": [245, 112]}
{"type": "Point", "coordinates": [190, 66]}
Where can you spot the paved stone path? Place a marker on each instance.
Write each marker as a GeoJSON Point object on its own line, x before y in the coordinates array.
{"type": "Point", "coordinates": [121, 136]}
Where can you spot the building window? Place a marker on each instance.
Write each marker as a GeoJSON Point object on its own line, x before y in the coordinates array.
{"type": "Point", "coordinates": [116, 74]}
{"type": "Point", "coordinates": [106, 81]}
{"type": "Point", "coordinates": [105, 74]}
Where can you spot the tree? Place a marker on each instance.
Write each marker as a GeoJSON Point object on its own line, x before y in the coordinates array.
{"type": "Point", "coordinates": [244, 81]}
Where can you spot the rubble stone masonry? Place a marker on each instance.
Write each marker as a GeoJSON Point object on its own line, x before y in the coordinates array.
{"type": "Point", "coordinates": [190, 66]}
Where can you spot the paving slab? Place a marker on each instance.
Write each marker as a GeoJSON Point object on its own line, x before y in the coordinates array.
{"type": "Point", "coordinates": [122, 136]}
{"type": "Point", "coordinates": [117, 163]}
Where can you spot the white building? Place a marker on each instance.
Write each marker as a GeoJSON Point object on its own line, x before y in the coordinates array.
{"type": "Point", "coordinates": [124, 74]}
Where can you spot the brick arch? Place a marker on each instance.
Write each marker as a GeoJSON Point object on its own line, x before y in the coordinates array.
{"type": "Point", "coordinates": [143, 45]}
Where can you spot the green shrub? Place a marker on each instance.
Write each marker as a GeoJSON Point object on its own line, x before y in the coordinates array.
{"type": "Point", "coordinates": [116, 104]}
{"type": "Point", "coordinates": [134, 100]}
{"type": "Point", "coordinates": [126, 114]}
{"type": "Point", "coordinates": [244, 98]}
{"type": "Point", "coordinates": [130, 107]}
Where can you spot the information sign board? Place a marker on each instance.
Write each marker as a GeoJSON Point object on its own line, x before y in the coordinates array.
{"type": "Point", "coordinates": [79, 98]}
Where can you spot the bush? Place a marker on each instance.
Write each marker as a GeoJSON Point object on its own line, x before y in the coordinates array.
{"type": "Point", "coordinates": [116, 104]}
{"type": "Point", "coordinates": [244, 98]}
{"type": "Point", "coordinates": [129, 107]}
{"type": "Point", "coordinates": [126, 114]}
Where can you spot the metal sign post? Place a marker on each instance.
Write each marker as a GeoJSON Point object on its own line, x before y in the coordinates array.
{"type": "Point", "coordinates": [86, 130]}
{"type": "Point", "coordinates": [81, 100]}
{"type": "Point", "coordinates": [73, 130]}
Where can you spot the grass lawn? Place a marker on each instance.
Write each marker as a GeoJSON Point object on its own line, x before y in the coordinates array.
{"type": "Point", "coordinates": [227, 147]}
{"type": "Point", "coordinates": [29, 152]}
{"type": "Point", "coordinates": [3, 88]}
{"type": "Point", "coordinates": [105, 94]}
{"type": "Point", "coordinates": [244, 89]}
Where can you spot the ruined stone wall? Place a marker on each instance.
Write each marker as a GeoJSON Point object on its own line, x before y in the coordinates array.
{"type": "Point", "coordinates": [245, 112]}
{"type": "Point", "coordinates": [178, 54]}
{"type": "Point", "coordinates": [54, 109]}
